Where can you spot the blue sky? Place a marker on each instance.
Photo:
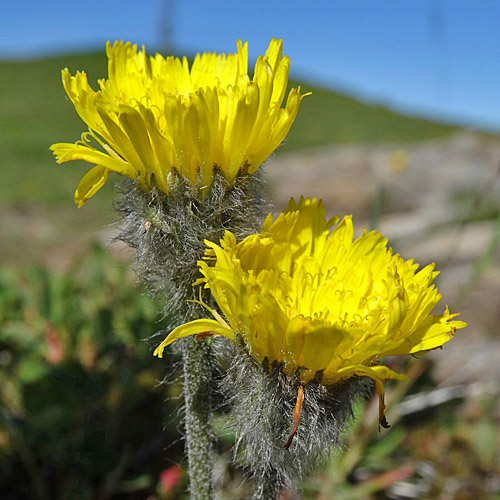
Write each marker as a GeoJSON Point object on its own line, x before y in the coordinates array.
{"type": "Point", "coordinates": [438, 58]}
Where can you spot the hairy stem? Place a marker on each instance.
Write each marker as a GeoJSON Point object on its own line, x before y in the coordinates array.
{"type": "Point", "coordinates": [168, 232]}
{"type": "Point", "coordinates": [268, 487]}
{"type": "Point", "coordinates": [199, 440]}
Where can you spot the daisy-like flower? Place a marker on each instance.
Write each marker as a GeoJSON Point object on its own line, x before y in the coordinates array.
{"type": "Point", "coordinates": [155, 118]}
{"type": "Point", "coordinates": [318, 303]}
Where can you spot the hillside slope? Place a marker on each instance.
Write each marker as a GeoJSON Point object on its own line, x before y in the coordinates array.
{"type": "Point", "coordinates": [36, 113]}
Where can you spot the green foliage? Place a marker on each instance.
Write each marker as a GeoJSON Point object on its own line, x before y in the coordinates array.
{"type": "Point", "coordinates": [82, 413]}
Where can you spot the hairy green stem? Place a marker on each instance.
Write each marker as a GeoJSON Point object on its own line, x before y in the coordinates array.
{"type": "Point", "coordinates": [168, 232]}
{"type": "Point", "coordinates": [199, 440]}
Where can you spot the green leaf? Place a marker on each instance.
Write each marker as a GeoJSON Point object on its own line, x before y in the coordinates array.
{"type": "Point", "coordinates": [31, 370]}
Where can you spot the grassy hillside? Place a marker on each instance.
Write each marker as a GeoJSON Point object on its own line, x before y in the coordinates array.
{"type": "Point", "coordinates": [35, 113]}
{"type": "Point", "coordinates": [327, 117]}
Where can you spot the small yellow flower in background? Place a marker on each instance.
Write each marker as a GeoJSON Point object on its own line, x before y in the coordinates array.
{"type": "Point", "coordinates": [398, 160]}
{"type": "Point", "coordinates": [154, 118]}
{"type": "Point", "coordinates": [317, 302]}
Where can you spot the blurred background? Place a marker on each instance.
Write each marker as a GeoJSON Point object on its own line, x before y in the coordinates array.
{"type": "Point", "coordinates": [402, 130]}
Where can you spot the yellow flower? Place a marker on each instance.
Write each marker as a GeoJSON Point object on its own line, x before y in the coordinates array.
{"type": "Point", "coordinates": [155, 118]}
{"type": "Point", "coordinates": [317, 302]}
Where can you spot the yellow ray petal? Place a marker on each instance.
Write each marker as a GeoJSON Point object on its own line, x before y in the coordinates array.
{"type": "Point", "coordinates": [90, 183]}
{"type": "Point", "coordinates": [378, 374]}
{"type": "Point", "coordinates": [67, 152]}
{"type": "Point", "coordinates": [196, 327]}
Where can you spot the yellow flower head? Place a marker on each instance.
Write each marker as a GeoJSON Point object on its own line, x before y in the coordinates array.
{"type": "Point", "coordinates": [155, 118]}
{"type": "Point", "coordinates": [317, 302]}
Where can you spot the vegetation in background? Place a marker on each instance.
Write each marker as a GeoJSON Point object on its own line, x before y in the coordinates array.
{"type": "Point", "coordinates": [82, 416]}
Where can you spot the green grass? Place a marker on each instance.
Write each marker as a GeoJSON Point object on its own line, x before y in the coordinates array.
{"type": "Point", "coordinates": [36, 114]}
